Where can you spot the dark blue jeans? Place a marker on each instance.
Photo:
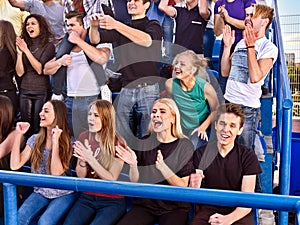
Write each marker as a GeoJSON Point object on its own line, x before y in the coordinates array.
{"type": "Point", "coordinates": [208, 44]}
{"type": "Point", "coordinates": [95, 210]}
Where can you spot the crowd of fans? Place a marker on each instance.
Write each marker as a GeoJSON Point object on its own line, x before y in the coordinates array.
{"type": "Point", "coordinates": [168, 123]}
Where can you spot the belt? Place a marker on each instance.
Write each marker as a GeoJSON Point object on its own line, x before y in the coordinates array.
{"type": "Point", "coordinates": [141, 85]}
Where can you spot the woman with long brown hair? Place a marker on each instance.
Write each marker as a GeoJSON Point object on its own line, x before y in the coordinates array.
{"type": "Point", "coordinates": [95, 151]}
{"type": "Point", "coordinates": [49, 152]}
{"type": "Point", "coordinates": [34, 49]}
{"type": "Point", "coordinates": [8, 58]}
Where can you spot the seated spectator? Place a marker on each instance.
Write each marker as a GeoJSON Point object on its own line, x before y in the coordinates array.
{"type": "Point", "coordinates": [163, 158]}
{"type": "Point", "coordinates": [226, 165]}
{"type": "Point", "coordinates": [95, 150]}
{"type": "Point", "coordinates": [195, 98]}
{"type": "Point", "coordinates": [49, 152]}
{"type": "Point", "coordinates": [8, 58]}
{"type": "Point", "coordinates": [7, 136]}
{"type": "Point", "coordinates": [34, 49]}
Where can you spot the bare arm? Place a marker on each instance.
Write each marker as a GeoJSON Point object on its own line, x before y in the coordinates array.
{"type": "Point", "coordinates": [54, 64]}
{"type": "Point", "coordinates": [17, 158]}
{"type": "Point", "coordinates": [228, 39]}
{"type": "Point", "coordinates": [218, 24]}
{"type": "Point", "coordinates": [168, 85]}
{"type": "Point", "coordinates": [56, 167]}
{"type": "Point", "coordinates": [248, 185]}
{"type": "Point", "coordinates": [168, 174]}
{"type": "Point", "coordinates": [17, 3]}
{"type": "Point", "coordinates": [169, 10]}
{"type": "Point", "coordinates": [203, 9]}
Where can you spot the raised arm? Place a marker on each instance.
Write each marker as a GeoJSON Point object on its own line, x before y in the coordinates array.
{"type": "Point", "coordinates": [228, 39]}
{"type": "Point", "coordinates": [248, 185]}
{"type": "Point", "coordinates": [167, 9]}
{"type": "Point", "coordinates": [168, 174]}
{"type": "Point", "coordinates": [56, 166]}
{"type": "Point", "coordinates": [17, 3]}
{"type": "Point", "coordinates": [203, 9]}
{"type": "Point", "coordinates": [17, 158]}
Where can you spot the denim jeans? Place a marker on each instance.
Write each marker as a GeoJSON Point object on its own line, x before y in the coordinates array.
{"type": "Point", "coordinates": [167, 27]}
{"type": "Point", "coordinates": [95, 210]}
{"type": "Point", "coordinates": [133, 107]}
{"type": "Point", "coordinates": [208, 44]}
{"type": "Point", "coordinates": [55, 209]}
{"type": "Point", "coordinates": [78, 111]}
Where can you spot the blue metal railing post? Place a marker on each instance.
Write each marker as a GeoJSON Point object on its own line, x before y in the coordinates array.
{"type": "Point", "coordinates": [10, 204]}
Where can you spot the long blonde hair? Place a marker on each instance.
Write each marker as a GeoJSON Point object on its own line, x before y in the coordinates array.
{"type": "Point", "coordinates": [108, 133]}
{"type": "Point", "coordinates": [65, 146]}
{"type": "Point", "coordinates": [176, 129]}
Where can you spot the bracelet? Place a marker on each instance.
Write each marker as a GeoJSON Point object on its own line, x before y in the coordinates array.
{"type": "Point", "coordinates": [85, 165]}
{"type": "Point", "coordinates": [251, 46]}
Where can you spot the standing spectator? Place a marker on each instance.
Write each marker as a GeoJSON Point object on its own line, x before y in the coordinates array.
{"type": "Point", "coordinates": [247, 67]}
{"type": "Point", "coordinates": [8, 57]}
{"type": "Point", "coordinates": [190, 24]}
{"type": "Point", "coordinates": [83, 83]}
{"type": "Point", "coordinates": [13, 15]}
{"type": "Point", "coordinates": [166, 159]}
{"type": "Point", "coordinates": [139, 51]}
{"type": "Point", "coordinates": [209, 35]}
{"type": "Point", "coordinates": [49, 152]}
{"type": "Point", "coordinates": [195, 98]}
{"type": "Point", "coordinates": [226, 165]}
{"type": "Point", "coordinates": [95, 150]}
{"type": "Point", "coordinates": [233, 13]}
{"type": "Point", "coordinates": [34, 49]}
{"type": "Point", "coordinates": [50, 9]}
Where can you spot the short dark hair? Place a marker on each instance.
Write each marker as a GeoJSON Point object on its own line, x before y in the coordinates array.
{"type": "Point", "coordinates": [231, 108]}
{"type": "Point", "coordinates": [79, 16]}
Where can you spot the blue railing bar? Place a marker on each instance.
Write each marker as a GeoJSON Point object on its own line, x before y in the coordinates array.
{"type": "Point", "coordinates": [285, 156]}
{"type": "Point", "coordinates": [10, 204]}
{"type": "Point", "coordinates": [204, 196]}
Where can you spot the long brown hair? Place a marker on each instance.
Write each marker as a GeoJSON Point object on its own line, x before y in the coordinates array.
{"type": "Point", "coordinates": [65, 146]}
{"type": "Point", "coordinates": [108, 133]}
{"type": "Point", "coordinates": [8, 38]}
{"type": "Point", "coordinates": [46, 35]}
{"type": "Point", "coordinates": [6, 117]}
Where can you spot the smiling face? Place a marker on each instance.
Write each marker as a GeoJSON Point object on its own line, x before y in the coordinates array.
{"type": "Point", "coordinates": [161, 118]}
{"type": "Point", "coordinates": [183, 67]}
{"type": "Point", "coordinates": [47, 115]}
{"type": "Point", "coordinates": [94, 120]}
{"type": "Point", "coordinates": [227, 128]}
{"type": "Point", "coordinates": [33, 27]}
{"type": "Point", "coordinates": [137, 8]}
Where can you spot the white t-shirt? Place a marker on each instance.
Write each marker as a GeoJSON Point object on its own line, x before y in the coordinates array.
{"type": "Point", "coordinates": [81, 80]}
{"type": "Point", "coordinates": [239, 89]}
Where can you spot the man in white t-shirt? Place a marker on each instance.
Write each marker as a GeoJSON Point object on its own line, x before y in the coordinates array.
{"type": "Point", "coordinates": [248, 66]}
{"type": "Point", "coordinates": [83, 81]}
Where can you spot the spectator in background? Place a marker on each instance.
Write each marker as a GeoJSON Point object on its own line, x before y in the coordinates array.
{"type": "Point", "coordinates": [232, 13]}
{"type": "Point", "coordinates": [165, 159]}
{"type": "Point", "coordinates": [8, 58]}
{"type": "Point", "coordinates": [190, 24]}
{"type": "Point", "coordinates": [13, 15]}
{"type": "Point", "coordinates": [34, 49]}
{"type": "Point", "coordinates": [83, 82]}
{"type": "Point", "coordinates": [95, 150]}
{"type": "Point", "coordinates": [209, 35]}
{"type": "Point", "coordinates": [50, 9]}
{"type": "Point", "coordinates": [226, 165]}
{"type": "Point", "coordinates": [140, 46]}
{"type": "Point", "coordinates": [195, 98]}
{"type": "Point", "coordinates": [49, 152]}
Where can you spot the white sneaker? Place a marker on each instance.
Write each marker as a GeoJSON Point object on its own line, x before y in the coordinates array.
{"type": "Point", "coordinates": [57, 97]}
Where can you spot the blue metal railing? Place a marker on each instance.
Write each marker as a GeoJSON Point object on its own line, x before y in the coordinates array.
{"type": "Point", "coordinates": [284, 107]}
{"type": "Point", "coordinates": [206, 196]}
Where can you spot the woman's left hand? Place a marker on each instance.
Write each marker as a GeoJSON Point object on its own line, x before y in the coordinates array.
{"type": "Point", "coordinates": [160, 163]}
{"type": "Point", "coordinates": [83, 151]}
{"type": "Point", "coordinates": [21, 44]}
{"type": "Point", "coordinates": [201, 133]}
{"type": "Point", "coordinates": [56, 132]}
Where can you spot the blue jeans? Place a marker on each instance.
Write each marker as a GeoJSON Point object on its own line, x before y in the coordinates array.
{"type": "Point", "coordinates": [95, 210]}
{"type": "Point", "coordinates": [35, 204]}
{"type": "Point", "coordinates": [133, 107]}
{"type": "Point", "coordinates": [78, 111]}
{"type": "Point", "coordinates": [208, 44]}
{"type": "Point", "coordinates": [167, 27]}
